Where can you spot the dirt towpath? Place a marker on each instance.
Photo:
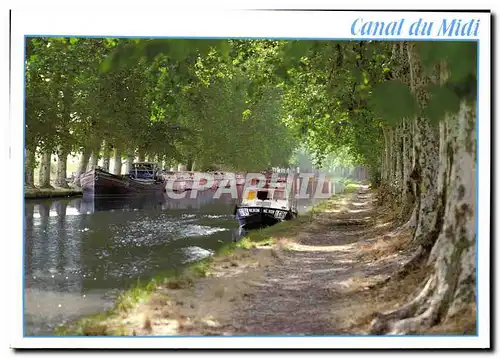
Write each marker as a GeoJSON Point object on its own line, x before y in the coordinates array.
{"type": "Point", "coordinates": [317, 281]}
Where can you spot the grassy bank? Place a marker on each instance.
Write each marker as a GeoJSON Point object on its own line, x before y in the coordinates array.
{"type": "Point", "coordinates": [106, 323]}
{"type": "Point", "coordinates": [36, 193]}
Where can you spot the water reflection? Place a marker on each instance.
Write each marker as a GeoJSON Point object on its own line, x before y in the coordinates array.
{"type": "Point", "coordinates": [80, 252]}
{"type": "Point", "coordinates": [94, 246]}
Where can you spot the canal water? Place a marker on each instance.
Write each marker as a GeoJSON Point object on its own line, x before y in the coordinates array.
{"type": "Point", "coordinates": [80, 253]}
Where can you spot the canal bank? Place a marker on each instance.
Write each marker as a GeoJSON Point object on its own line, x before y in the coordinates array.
{"type": "Point", "coordinates": [47, 193]}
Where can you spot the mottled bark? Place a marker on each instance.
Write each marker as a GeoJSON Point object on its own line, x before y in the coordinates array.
{"type": "Point", "coordinates": [106, 156]}
{"type": "Point", "coordinates": [392, 159]}
{"type": "Point", "coordinates": [442, 175]}
{"type": "Point", "coordinates": [93, 161]}
{"type": "Point", "coordinates": [117, 162]}
{"type": "Point", "coordinates": [130, 161]}
{"type": "Point", "coordinates": [426, 162]}
{"type": "Point", "coordinates": [82, 165]}
{"type": "Point", "coordinates": [44, 170]}
{"type": "Point", "coordinates": [413, 177]}
{"type": "Point", "coordinates": [29, 168]}
{"type": "Point", "coordinates": [61, 172]}
{"type": "Point", "coordinates": [429, 215]}
{"type": "Point", "coordinates": [385, 159]}
{"type": "Point", "coordinates": [454, 252]}
{"type": "Point", "coordinates": [450, 289]}
{"type": "Point", "coordinates": [408, 192]}
{"type": "Point", "coordinates": [94, 158]}
{"type": "Point", "coordinates": [417, 82]}
{"type": "Point", "coordinates": [398, 162]}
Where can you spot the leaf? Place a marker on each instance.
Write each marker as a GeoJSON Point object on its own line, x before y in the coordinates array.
{"type": "Point", "coordinates": [224, 48]}
{"type": "Point", "coordinates": [357, 75]}
{"type": "Point", "coordinates": [393, 101]}
{"type": "Point", "coordinates": [429, 53]}
{"type": "Point", "coordinates": [282, 73]}
{"type": "Point", "coordinates": [462, 61]}
{"type": "Point", "coordinates": [460, 57]}
{"type": "Point", "coordinates": [107, 64]}
{"type": "Point", "coordinates": [442, 101]}
{"type": "Point", "coordinates": [294, 50]}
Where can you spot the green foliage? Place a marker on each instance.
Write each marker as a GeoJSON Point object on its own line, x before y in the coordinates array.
{"type": "Point", "coordinates": [460, 58]}
{"type": "Point", "coordinates": [443, 100]}
{"type": "Point", "coordinates": [294, 51]}
{"type": "Point", "coordinates": [203, 101]}
{"type": "Point", "coordinates": [458, 62]}
{"type": "Point", "coordinates": [242, 104]}
{"type": "Point", "coordinates": [393, 101]}
{"type": "Point", "coordinates": [128, 54]}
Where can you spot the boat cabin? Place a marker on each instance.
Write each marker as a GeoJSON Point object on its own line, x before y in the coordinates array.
{"type": "Point", "coordinates": [269, 197]}
{"type": "Point", "coordinates": [144, 170]}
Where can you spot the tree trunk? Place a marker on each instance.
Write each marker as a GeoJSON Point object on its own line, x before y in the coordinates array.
{"type": "Point", "coordinates": [62, 162]}
{"type": "Point", "coordinates": [385, 159]}
{"type": "Point", "coordinates": [425, 165]}
{"type": "Point", "coordinates": [443, 176]}
{"type": "Point", "coordinates": [454, 252]}
{"type": "Point", "coordinates": [117, 162]}
{"type": "Point", "coordinates": [84, 161]}
{"type": "Point", "coordinates": [417, 82]}
{"type": "Point", "coordinates": [399, 157]}
{"type": "Point", "coordinates": [94, 158]}
{"type": "Point", "coordinates": [29, 169]}
{"type": "Point", "coordinates": [44, 171]}
{"type": "Point", "coordinates": [82, 165]}
{"type": "Point", "coordinates": [130, 161]}
{"type": "Point", "coordinates": [391, 159]}
{"type": "Point", "coordinates": [106, 157]}
{"type": "Point", "coordinates": [429, 215]}
{"type": "Point", "coordinates": [450, 289]}
{"type": "Point", "coordinates": [141, 156]}
{"type": "Point", "coordinates": [408, 195]}
{"type": "Point", "coordinates": [93, 161]}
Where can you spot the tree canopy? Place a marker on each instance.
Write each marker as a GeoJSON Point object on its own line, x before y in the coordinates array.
{"type": "Point", "coordinates": [243, 104]}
